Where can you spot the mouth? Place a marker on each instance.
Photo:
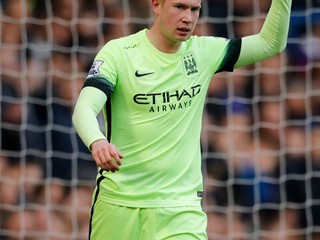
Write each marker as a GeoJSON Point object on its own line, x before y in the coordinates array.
{"type": "Point", "coordinates": [184, 31]}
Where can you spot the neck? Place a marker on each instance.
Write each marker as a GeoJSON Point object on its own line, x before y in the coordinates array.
{"type": "Point", "coordinates": [161, 42]}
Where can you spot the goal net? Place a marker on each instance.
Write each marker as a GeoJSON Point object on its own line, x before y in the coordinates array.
{"type": "Point", "coordinates": [261, 126]}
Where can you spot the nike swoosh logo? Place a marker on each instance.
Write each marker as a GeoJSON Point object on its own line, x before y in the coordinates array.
{"type": "Point", "coordinates": [137, 74]}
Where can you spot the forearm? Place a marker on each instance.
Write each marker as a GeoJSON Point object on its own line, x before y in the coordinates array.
{"type": "Point", "coordinates": [272, 38]}
{"type": "Point", "coordinates": [88, 106]}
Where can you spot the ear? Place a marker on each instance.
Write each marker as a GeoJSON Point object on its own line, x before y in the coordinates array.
{"type": "Point", "coordinates": [155, 6]}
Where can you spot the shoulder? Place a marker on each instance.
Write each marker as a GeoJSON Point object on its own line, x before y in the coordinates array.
{"type": "Point", "coordinates": [203, 39]}
{"type": "Point", "coordinates": [207, 41]}
{"type": "Point", "coordinates": [126, 42]}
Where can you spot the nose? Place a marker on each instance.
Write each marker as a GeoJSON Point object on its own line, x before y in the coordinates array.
{"type": "Point", "coordinates": [187, 16]}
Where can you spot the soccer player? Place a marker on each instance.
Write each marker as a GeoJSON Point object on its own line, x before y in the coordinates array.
{"type": "Point", "coordinates": [152, 87]}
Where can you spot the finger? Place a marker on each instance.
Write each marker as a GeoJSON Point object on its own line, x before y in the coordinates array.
{"type": "Point", "coordinates": [116, 155]}
{"type": "Point", "coordinates": [105, 167]}
{"type": "Point", "coordinates": [114, 165]}
{"type": "Point", "coordinates": [120, 154]}
{"type": "Point", "coordinates": [109, 162]}
{"type": "Point", "coordinates": [102, 164]}
{"type": "Point", "coordinates": [101, 161]}
{"type": "Point", "coordinates": [117, 159]}
{"type": "Point", "coordinates": [108, 167]}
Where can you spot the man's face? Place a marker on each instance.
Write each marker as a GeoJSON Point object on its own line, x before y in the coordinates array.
{"type": "Point", "coordinates": [178, 18]}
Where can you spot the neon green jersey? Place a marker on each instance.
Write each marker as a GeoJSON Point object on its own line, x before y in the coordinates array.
{"type": "Point", "coordinates": [154, 115]}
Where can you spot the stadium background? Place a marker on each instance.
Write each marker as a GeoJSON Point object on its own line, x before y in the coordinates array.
{"type": "Point", "coordinates": [261, 132]}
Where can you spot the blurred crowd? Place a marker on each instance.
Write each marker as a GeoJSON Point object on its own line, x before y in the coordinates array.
{"type": "Point", "coordinates": [261, 130]}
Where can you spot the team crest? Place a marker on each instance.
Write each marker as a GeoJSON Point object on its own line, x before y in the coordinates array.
{"type": "Point", "coordinates": [94, 70]}
{"type": "Point", "coordinates": [190, 65]}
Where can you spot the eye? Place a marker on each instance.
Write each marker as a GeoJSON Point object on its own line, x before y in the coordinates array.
{"type": "Point", "coordinates": [195, 9]}
{"type": "Point", "coordinates": [178, 6]}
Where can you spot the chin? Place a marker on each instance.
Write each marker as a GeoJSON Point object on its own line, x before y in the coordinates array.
{"type": "Point", "coordinates": [183, 38]}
